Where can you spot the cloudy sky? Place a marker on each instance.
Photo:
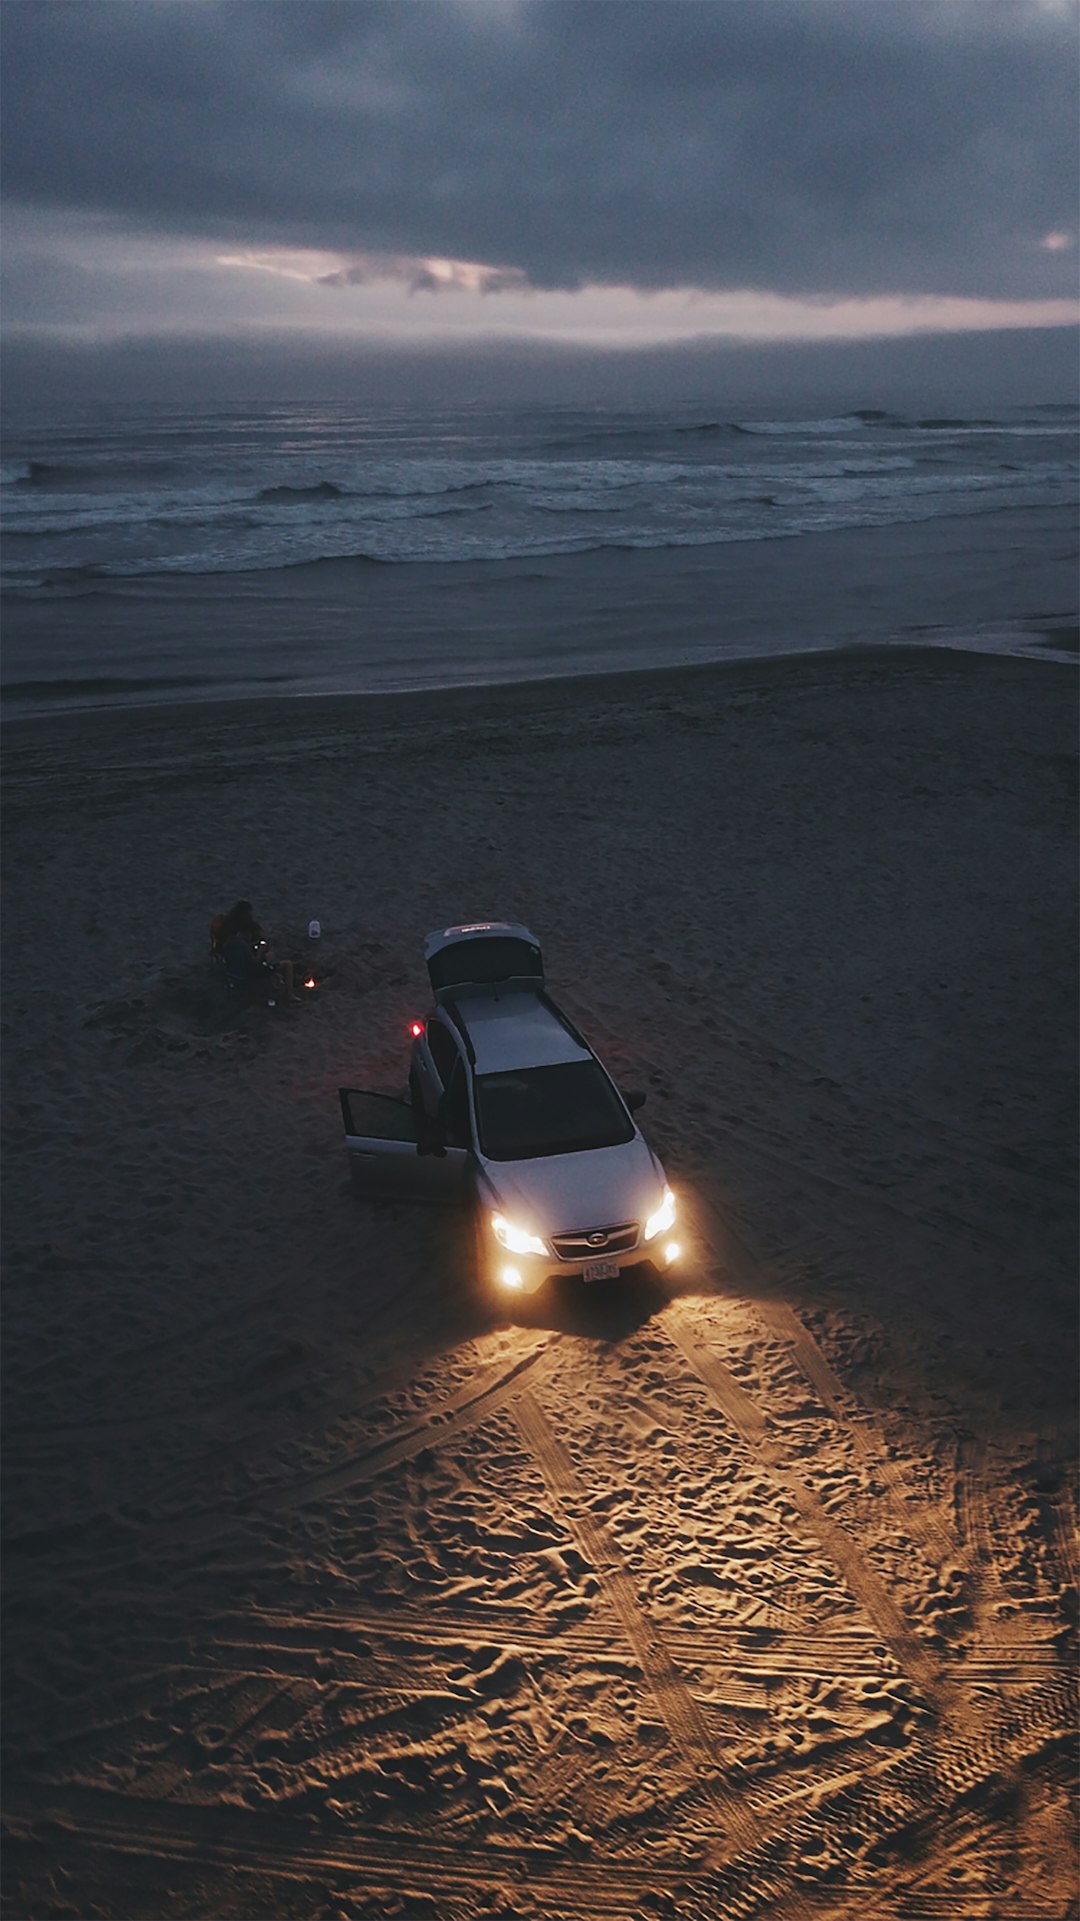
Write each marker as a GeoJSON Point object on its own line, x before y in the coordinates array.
{"type": "Point", "coordinates": [296, 184]}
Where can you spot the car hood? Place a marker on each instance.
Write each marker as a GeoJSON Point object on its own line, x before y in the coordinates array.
{"type": "Point", "coordinates": [564, 1193]}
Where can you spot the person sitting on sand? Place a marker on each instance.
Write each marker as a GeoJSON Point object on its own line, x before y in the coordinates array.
{"type": "Point", "coordinates": [245, 950]}
{"type": "Point", "coordinates": [240, 919]}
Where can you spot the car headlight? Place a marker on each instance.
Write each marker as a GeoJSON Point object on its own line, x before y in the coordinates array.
{"type": "Point", "coordinates": [515, 1239]}
{"type": "Point", "coordinates": [663, 1218]}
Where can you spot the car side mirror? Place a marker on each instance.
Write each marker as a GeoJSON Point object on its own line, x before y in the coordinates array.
{"type": "Point", "coordinates": [634, 1101]}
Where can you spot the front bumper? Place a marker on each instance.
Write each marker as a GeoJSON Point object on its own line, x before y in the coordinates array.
{"type": "Point", "coordinates": [517, 1274]}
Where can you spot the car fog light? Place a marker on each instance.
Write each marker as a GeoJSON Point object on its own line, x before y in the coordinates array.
{"type": "Point", "coordinates": [510, 1277]}
{"type": "Point", "coordinates": [671, 1252]}
{"type": "Point", "coordinates": [664, 1216]}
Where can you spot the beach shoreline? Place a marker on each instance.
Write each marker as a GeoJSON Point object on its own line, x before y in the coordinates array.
{"type": "Point", "coordinates": [991, 580]}
{"type": "Point", "coordinates": [429, 708]}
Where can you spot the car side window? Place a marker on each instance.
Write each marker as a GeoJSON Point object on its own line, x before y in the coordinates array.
{"type": "Point", "coordinates": [456, 1110]}
{"type": "Point", "coordinates": [443, 1051]}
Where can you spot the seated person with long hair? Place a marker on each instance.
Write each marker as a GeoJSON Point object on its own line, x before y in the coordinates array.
{"type": "Point", "coordinates": [245, 950]}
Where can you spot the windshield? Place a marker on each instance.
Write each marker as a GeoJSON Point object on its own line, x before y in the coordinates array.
{"type": "Point", "coordinates": [549, 1110]}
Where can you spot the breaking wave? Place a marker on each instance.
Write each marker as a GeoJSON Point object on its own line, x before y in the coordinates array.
{"type": "Point", "coordinates": [246, 494]}
{"type": "Point", "coordinates": [49, 473]}
{"type": "Point", "coordinates": [952, 423]}
{"type": "Point", "coordinates": [320, 490]}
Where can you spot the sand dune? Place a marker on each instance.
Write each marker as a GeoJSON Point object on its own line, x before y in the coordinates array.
{"type": "Point", "coordinates": [333, 1590]}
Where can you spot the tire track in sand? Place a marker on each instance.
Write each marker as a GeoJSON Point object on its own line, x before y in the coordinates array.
{"type": "Point", "coordinates": [935, 1785]}
{"type": "Point", "coordinates": [989, 1598]}
{"type": "Point", "coordinates": [679, 1711]}
{"type": "Point", "coordinates": [1057, 1508]}
{"type": "Point", "coordinates": [967, 1548]}
{"type": "Point", "coordinates": [734, 1257]}
{"type": "Point", "coordinates": [752, 1427]}
{"type": "Point", "coordinates": [469, 1407]}
{"type": "Point", "coordinates": [260, 1843]}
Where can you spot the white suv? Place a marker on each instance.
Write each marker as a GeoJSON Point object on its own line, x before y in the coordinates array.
{"type": "Point", "coordinates": [511, 1110]}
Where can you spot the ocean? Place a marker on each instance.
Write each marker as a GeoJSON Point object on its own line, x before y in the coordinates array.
{"type": "Point", "coordinates": [163, 553]}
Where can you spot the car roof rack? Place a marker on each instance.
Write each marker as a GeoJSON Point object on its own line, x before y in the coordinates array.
{"type": "Point", "coordinates": [540, 995]}
{"type": "Point", "coordinates": [563, 1019]}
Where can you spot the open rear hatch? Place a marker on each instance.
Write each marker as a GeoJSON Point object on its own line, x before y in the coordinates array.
{"type": "Point", "coordinates": [483, 954]}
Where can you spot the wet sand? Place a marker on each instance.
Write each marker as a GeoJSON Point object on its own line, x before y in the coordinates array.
{"type": "Point", "coordinates": [334, 1589]}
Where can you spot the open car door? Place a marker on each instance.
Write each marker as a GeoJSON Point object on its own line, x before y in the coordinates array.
{"type": "Point", "coordinates": [381, 1138]}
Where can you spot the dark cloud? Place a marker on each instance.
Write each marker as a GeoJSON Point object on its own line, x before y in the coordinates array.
{"type": "Point", "coordinates": [806, 146]}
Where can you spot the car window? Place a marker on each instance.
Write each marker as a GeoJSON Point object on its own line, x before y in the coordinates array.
{"type": "Point", "coordinates": [456, 1110]}
{"type": "Point", "coordinates": [443, 1050]}
{"type": "Point", "coordinates": [491, 958]}
{"type": "Point", "coordinates": [549, 1110]}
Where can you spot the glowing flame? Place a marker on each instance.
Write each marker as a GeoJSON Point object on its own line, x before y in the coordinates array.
{"type": "Point", "coordinates": [310, 983]}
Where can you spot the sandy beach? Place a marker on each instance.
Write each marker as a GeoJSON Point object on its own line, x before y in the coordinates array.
{"type": "Point", "coordinates": [335, 1590]}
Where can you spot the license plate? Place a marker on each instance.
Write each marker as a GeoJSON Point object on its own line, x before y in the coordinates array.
{"type": "Point", "coordinates": [600, 1271]}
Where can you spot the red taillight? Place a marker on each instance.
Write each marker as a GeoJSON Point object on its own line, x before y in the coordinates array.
{"type": "Point", "coordinates": [416, 1028]}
